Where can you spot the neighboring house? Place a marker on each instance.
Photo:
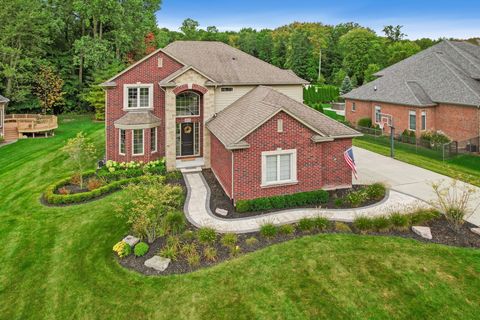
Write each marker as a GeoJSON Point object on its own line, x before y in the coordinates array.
{"type": "Point", "coordinates": [437, 89]}
{"type": "Point", "coordinates": [3, 103]}
{"type": "Point", "coordinates": [206, 104]}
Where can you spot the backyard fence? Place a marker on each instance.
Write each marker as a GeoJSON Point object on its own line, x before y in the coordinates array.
{"type": "Point", "coordinates": [441, 151]}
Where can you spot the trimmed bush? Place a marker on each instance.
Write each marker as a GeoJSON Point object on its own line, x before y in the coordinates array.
{"type": "Point", "coordinates": [365, 122]}
{"type": "Point", "coordinates": [268, 230]}
{"type": "Point", "coordinates": [375, 191]}
{"type": "Point", "coordinates": [281, 202]}
{"type": "Point", "coordinates": [206, 235]}
{"type": "Point", "coordinates": [140, 249]}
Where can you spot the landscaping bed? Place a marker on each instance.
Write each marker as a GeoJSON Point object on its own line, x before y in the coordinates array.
{"type": "Point", "coordinates": [441, 231]}
{"type": "Point", "coordinates": [95, 184]}
{"type": "Point", "coordinates": [219, 199]}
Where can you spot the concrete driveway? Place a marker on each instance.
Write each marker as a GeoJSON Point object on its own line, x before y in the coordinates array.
{"type": "Point", "coordinates": [405, 178]}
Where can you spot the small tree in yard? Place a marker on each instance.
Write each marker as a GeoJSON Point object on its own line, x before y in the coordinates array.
{"type": "Point", "coordinates": [48, 88]}
{"type": "Point", "coordinates": [147, 204]}
{"type": "Point", "coordinates": [346, 85]}
{"type": "Point", "coordinates": [81, 152]}
{"type": "Point", "coordinates": [453, 200]}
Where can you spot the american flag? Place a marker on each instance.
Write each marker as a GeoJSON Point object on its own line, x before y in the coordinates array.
{"type": "Point", "coordinates": [349, 159]}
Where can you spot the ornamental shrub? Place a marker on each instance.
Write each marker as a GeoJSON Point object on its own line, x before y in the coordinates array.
{"type": "Point", "coordinates": [342, 227]}
{"type": "Point", "coordinates": [400, 222]}
{"type": "Point", "coordinates": [174, 222]}
{"type": "Point", "coordinates": [286, 229]}
{"type": "Point", "coordinates": [242, 206]}
{"type": "Point", "coordinates": [140, 249]}
{"type": "Point", "coordinates": [306, 224]}
{"type": "Point", "coordinates": [376, 191]}
{"type": "Point", "coordinates": [381, 223]}
{"type": "Point", "coordinates": [365, 122]}
{"type": "Point", "coordinates": [251, 241]}
{"type": "Point", "coordinates": [268, 230]}
{"type": "Point", "coordinates": [206, 235]}
{"type": "Point", "coordinates": [363, 224]}
{"type": "Point", "coordinates": [94, 183]}
{"type": "Point", "coordinates": [210, 253]}
{"type": "Point", "coordinates": [122, 249]}
{"type": "Point", "coordinates": [321, 223]}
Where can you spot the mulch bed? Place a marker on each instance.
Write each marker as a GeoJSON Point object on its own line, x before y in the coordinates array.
{"type": "Point", "coordinates": [441, 231]}
{"type": "Point", "coordinates": [219, 199]}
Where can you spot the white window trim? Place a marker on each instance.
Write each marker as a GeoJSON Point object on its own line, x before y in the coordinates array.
{"type": "Point", "coordinates": [411, 112]}
{"type": "Point", "coordinates": [379, 108]}
{"type": "Point", "coordinates": [156, 140]}
{"type": "Point", "coordinates": [354, 107]}
{"type": "Point", "coordinates": [194, 141]}
{"type": "Point", "coordinates": [138, 85]}
{"type": "Point", "coordinates": [133, 143]}
{"type": "Point", "coordinates": [424, 113]}
{"type": "Point", "coordinates": [120, 142]}
{"type": "Point", "coordinates": [293, 169]}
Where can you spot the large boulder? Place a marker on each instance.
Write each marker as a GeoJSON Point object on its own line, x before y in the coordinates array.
{"type": "Point", "coordinates": [158, 263]}
{"type": "Point", "coordinates": [131, 240]}
{"type": "Point", "coordinates": [221, 212]}
{"type": "Point", "coordinates": [475, 230]}
{"type": "Point", "coordinates": [423, 232]}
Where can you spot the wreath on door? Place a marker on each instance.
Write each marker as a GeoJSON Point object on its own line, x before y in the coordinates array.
{"type": "Point", "coordinates": [187, 129]}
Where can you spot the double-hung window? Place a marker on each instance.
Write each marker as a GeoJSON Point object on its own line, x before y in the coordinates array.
{"type": "Point", "coordinates": [412, 120]}
{"type": "Point", "coordinates": [122, 141]}
{"type": "Point", "coordinates": [378, 114]}
{"type": "Point", "coordinates": [138, 96]}
{"type": "Point", "coordinates": [424, 120]}
{"type": "Point", "coordinates": [137, 142]}
{"type": "Point", "coordinates": [279, 167]}
{"type": "Point", "coordinates": [153, 140]}
{"type": "Point", "coordinates": [354, 107]}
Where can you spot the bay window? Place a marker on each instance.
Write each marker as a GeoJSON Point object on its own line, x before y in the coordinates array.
{"type": "Point", "coordinates": [153, 140]}
{"type": "Point", "coordinates": [137, 142]}
{"type": "Point", "coordinates": [279, 167]}
{"type": "Point", "coordinates": [122, 141]}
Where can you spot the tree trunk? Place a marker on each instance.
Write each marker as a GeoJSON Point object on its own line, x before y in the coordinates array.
{"type": "Point", "coordinates": [80, 68]}
{"type": "Point", "coordinates": [101, 30]}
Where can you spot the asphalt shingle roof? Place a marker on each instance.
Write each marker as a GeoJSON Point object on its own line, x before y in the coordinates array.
{"type": "Point", "coordinates": [229, 66]}
{"type": "Point", "coordinates": [234, 123]}
{"type": "Point", "coordinates": [138, 118]}
{"type": "Point", "coordinates": [448, 72]}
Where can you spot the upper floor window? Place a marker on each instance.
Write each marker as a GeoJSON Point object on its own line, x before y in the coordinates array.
{"type": "Point", "coordinates": [188, 104]}
{"type": "Point", "coordinates": [226, 89]}
{"type": "Point", "coordinates": [138, 96]}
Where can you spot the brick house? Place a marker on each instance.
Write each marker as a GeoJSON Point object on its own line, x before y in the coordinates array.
{"type": "Point", "coordinates": [209, 105]}
{"type": "Point", "coordinates": [437, 89]}
{"type": "Point", "coordinates": [3, 103]}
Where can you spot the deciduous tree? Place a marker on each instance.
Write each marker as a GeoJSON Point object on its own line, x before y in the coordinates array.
{"type": "Point", "coordinates": [48, 88]}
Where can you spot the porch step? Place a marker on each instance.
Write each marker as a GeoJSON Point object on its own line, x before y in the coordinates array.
{"type": "Point", "coordinates": [191, 170]}
{"type": "Point", "coordinates": [11, 133]}
{"type": "Point", "coordinates": [191, 163]}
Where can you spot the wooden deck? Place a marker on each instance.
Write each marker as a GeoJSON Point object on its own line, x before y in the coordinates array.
{"type": "Point", "coordinates": [19, 125]}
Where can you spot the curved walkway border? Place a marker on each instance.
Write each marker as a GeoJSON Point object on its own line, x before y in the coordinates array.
{"type": "Point", "coordinates": [197, 210]}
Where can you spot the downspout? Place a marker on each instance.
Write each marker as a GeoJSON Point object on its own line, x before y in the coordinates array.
{"type": "Point", "coordinates": [232, 177]}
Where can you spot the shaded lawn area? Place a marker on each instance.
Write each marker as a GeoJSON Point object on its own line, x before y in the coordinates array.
{"type": "Point", "coordinates": [56, 263]}
{"type": "Point", "coordinates": [464, 167]}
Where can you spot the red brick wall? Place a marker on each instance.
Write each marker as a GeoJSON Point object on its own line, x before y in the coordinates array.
{"type": "Point", "coordinates": [363, 109]}
{"type": "Point", "coordinates": [221, 164]}
{"type": "Point", "coordinates": [319, 165]}
{"type": "Point", "coordinates": [458, 122]}
{"type": "Point", "coordinates": [146, 72]}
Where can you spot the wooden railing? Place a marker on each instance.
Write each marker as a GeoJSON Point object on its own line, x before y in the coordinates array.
{"type": "Point", "coordinates": [30, 123]}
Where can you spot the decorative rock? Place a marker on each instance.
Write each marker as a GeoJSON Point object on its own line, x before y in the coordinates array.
{"type": "Point", "coordinates": [131, 240]}
{"type": "Point", "coordinates": [221, 212]}
{"type": "Point", "coordinates": [423, 232]}
{"type": "Point", "coordinates": [158, 263]}
{"type": "Point", "coordinates": [475, 230]}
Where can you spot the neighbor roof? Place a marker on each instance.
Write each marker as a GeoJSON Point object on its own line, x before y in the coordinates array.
{"type": "Point", "coordinates": [234, 123]}
{"type": "Point", "coordinates": [448, 72]}
{"type": "Point", "coordinates": [3, 99]}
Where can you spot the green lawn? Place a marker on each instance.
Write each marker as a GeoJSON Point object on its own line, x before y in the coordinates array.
{"type": "Point", "coordinates": [464, 167]}
{"type": "Point", "coordinates": [56, 263]}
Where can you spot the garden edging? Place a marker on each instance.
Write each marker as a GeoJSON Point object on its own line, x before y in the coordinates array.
{"type": "Point", "coordinates": [198, 212]}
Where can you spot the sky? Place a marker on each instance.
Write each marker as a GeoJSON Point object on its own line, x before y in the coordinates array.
{"type": "Point", "coordinates": [420, 18]}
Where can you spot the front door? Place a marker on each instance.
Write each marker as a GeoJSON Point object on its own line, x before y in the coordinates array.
{"type": "Point", "coordinates": [187, 139]}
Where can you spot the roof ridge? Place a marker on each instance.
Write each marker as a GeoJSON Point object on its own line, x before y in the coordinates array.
{"type": "Point", "coordinates": [462, 53]}
{"type": "Point", "coordinates": [455, 74]}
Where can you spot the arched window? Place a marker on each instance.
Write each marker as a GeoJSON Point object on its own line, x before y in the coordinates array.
{"type": "Point", "coordinates": [188, 104]}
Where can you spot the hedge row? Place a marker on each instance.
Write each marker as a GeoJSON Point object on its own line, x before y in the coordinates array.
{"type": "Point", "coordinates": [59, 199]}
{"type": "Point", "coordinates": [129, 173]}
{"type": "Point", "coordinates": [320, 94]}
{"type": "Point", "coordinates": [282, 202]}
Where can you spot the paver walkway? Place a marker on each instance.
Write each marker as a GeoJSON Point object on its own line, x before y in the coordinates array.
{"type": "Point", "coordinates": [199, 214]}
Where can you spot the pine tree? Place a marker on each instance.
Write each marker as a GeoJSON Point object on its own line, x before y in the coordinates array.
{"type": "Point", "coordinates": [346, 85]}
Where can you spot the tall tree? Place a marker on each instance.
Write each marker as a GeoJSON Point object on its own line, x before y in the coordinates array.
{"type": "Point", "coordinates": [48, 88]}
{"type": "Point", "coordinates": [394, 33]}
{"type": "Point", "coordinates": [299, 56]}
{"type": "Point", "coordinates": [189, 28]}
